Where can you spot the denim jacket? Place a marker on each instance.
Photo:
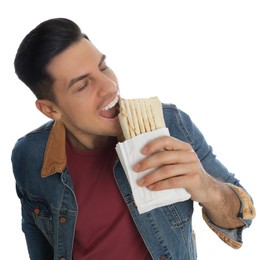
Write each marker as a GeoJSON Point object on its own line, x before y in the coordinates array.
{"type": "Point", "coordinates": [49, 206]}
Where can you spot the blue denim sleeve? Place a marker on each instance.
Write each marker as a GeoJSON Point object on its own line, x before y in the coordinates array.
{"type": "Point", "coordinates": [182, 127]}
{"type": "Point", "coordinates": [233, 237]}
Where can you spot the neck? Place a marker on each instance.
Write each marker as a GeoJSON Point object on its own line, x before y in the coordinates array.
{"type": "Point", "coordinates": [87, 143]}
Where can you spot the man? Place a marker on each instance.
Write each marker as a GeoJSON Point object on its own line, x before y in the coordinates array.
{"type": "Point", "coordinates": [76, 200]}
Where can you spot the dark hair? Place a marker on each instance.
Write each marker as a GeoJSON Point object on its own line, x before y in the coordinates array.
{"type": "Point", "coordinates": [38, 48]}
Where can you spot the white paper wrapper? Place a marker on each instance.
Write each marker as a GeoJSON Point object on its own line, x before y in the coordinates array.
{"type": "Point", "coordinates": [129, 154]}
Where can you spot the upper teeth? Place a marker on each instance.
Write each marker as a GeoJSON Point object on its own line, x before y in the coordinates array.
{"type": "Point", "coordinates": [111, 104]}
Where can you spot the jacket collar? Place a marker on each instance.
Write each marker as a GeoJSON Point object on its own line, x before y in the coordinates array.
{"type": "Point", "coordinates": [55, 154]}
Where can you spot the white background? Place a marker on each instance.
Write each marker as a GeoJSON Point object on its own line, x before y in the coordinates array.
{"type": "Point", "coordinates": [208, 57]}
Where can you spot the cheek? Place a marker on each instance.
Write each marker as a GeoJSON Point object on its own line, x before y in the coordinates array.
{"type": "Point", "coordinates": [84, 108]}
{"type": "Point", "coordinates": [76, 115]}
{"type": "Point", "coordinates": [77, 105]}
{"type": "Point", "coordinates": [72, 109]}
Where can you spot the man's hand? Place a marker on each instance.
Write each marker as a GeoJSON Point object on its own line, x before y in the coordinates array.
{"type": "Point", "coordinates": [176, 165]}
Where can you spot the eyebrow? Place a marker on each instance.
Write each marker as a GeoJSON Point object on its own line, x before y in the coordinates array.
{"type": "Point", "coordinates": [74, 80]}
{"type": "Point", "coordinates": [102, 60]}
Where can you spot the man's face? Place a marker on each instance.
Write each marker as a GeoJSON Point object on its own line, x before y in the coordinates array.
{"type": "Point", "coordinates": [86, 91]}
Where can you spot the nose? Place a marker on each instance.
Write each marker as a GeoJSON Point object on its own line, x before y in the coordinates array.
{"type": "Point", "coordinates": [107, 85]}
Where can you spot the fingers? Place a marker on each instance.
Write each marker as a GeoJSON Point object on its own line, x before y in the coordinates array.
{"type": "Point", "coordinates": [167, 143]}
{"type": "Point", "coordinates": [167, 177]}
{"type": "Point", "coordinates": [174, 163]}
{"type": "Point", "coordinates": [163, 157]}
{"type": "Point", "coordinates": [165, 150]}
{"type": "Point", "coordinates": [170, 183]}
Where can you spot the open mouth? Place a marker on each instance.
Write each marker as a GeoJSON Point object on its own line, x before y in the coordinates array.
{"type": "Point", "coordinates": [111, 110]}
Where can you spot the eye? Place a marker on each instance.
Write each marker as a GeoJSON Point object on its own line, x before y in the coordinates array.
{"type": "Point", "coordinates": [83, 86]}
{"type": "Point", "coordinates": [103, 67]}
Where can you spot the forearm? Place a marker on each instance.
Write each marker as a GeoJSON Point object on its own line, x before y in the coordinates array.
{"type": "Point", "coordinates": [223, 205]}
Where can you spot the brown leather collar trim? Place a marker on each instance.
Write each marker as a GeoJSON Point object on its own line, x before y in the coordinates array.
{"type": "Point", "coordinates": [55, 155]}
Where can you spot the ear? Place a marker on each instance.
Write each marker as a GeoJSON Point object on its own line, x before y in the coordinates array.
{"type": "Point", "coordinates": [48, 108]}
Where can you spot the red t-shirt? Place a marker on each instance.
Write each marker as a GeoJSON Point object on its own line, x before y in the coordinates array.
{"type": "Point", "coordinates": [104, 228]}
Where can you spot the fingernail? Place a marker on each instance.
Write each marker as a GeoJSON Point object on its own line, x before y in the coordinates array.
{"type": "Point", "coordinates": [144, 150]}
{"type": "Point", "coordinates": [140, 182]}
{"type": "Point", "coordinates": [151, 187]}
{"type": "Point", "coordinates": [136, 167]}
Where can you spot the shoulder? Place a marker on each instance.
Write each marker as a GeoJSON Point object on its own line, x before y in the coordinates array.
{"type": "Point", "coordinates": [34, 140]}
{"type": "Point", "coordinates": [176, 116]}
{"type": "Point", "coordinates": [172, 112]}
{"type": "Point", "coordinates": [178, 122]}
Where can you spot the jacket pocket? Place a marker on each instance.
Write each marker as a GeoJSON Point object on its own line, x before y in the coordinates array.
{"type": "Point", "coordinates": [178, 214]}
{"type": "Point", "coordinates": [41, 212]}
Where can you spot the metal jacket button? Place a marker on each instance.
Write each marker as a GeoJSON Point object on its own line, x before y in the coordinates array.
{"type": "Point", "coordinates": [62, 220]}
{"type": "Point", "coordinates": [37, 211]}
